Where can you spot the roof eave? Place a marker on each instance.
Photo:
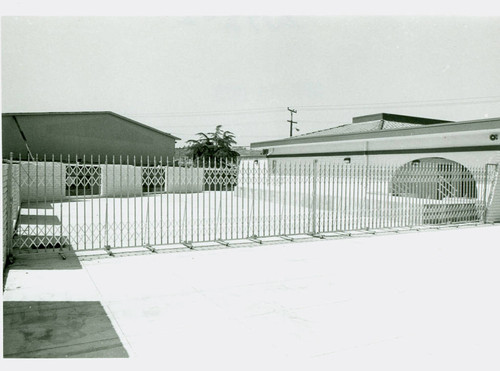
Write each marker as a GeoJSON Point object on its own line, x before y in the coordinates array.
{"type": "Point", "coordinates": [369, 135]}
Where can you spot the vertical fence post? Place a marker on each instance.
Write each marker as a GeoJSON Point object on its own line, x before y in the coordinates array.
{"type": "Point", "coordinates": [9, 206]}
{"type": "Point", "coordinates": [314, 195]}
{"type": "Point", "coordinates": [485, 195]}
{"type": "Point", "coordinates": [343, 197]}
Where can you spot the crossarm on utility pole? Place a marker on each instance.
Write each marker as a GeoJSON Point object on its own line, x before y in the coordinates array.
{"type": "Point", "coordinates": [292, 111]}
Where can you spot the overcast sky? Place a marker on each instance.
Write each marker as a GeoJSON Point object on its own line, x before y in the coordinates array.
{"type": "Point", "coordinates": [184, 75]}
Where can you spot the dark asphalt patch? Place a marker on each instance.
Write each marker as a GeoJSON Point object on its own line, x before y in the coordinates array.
{"type": "Point", "coordinates": [46, 260]}
{"type": "Point", "coordinates": [59, 329]}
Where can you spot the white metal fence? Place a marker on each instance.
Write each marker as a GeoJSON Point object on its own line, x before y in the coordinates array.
{"type": "Point", "coordinates": [123, 201]}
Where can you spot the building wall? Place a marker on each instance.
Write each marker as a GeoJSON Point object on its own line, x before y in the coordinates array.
{"type": "Point", "coordinates": [455, 137]}
{"type": "Point", "coordinates": [98, 134]}
{"type": "Point", "coordinates": [120, 181]}
{"type": "Point", "coordinates": [46, 182]}
{"type": "Point", "coordinates": [41, 181]}
{"type": "Point", "coordinates": [474, 160]}
{"type": "Point", "coordinates": [125, 181]}
{"type": "Point", "coordinates": [184, 180]}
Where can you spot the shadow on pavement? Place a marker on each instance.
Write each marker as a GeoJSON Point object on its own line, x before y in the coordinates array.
{"type": "Point", "coordinates": [59, 329]}
{"type": "Point", "coordinates": [47, 260]}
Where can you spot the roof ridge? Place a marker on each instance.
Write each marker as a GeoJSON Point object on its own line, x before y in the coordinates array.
{"type": "Point", "coordinates": [339, 126]}
{"type": "Point", "coordinates": [319, 131]}
{"type": "Point", "coordinates": [90, 113]}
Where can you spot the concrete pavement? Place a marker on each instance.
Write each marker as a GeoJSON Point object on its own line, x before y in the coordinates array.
{"type": "Point", "coordinates": [417, 300]}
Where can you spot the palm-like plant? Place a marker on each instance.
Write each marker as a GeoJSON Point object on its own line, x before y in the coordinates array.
{"type": "Point", "coordinates": [215, 147]}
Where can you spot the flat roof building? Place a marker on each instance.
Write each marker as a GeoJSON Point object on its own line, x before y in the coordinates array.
{"type": "Point", "coordinates": [386, 138]}
{"type": "Point", "coordinates": [398, 141]}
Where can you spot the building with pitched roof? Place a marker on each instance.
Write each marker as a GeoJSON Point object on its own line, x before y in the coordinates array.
{"type": "Point", "coordinates": [78, 134]}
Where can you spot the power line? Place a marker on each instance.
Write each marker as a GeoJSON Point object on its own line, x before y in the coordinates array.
{"type": "Point", "coordinates": [237, 123]}
{"type": "Point", "coordinates": [436, 102]}
{"type": "Point", "coordinates": [210, 113]}
{"type": "Point", "coordinates": [441, 102]}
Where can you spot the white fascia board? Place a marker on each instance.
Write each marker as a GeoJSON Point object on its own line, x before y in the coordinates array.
{"type": "Point", "coordinates": [423, 141]}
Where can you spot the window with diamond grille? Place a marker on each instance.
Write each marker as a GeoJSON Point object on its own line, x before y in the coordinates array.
{"type": "Point", "coordinates": [128, 205]}
{"type": "Point", "coordinates": [434, 178]}
{"type": "Point", "coordinates": [153, 179]}
{"type": "Point", "coordinates": [83, 180]}
{"type": "Point", "coordinates": [221, 179]}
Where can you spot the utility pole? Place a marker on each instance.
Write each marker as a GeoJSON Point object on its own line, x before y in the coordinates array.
{"type": "Point", "coordinates": [292, 111]}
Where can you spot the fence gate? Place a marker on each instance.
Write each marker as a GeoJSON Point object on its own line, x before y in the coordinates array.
{"type": "Point", "coordinates": [127, 201]}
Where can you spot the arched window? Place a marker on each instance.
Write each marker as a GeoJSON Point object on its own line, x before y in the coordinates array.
{"type": "Point", "coordinates": [434, 178]}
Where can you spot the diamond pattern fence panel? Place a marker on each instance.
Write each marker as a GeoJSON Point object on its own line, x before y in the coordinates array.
{"type": "Point", "coordinates": [125, 202]}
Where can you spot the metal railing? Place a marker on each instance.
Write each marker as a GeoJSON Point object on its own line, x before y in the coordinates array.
{"type": "Point", "coordinates": [127, 201]}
